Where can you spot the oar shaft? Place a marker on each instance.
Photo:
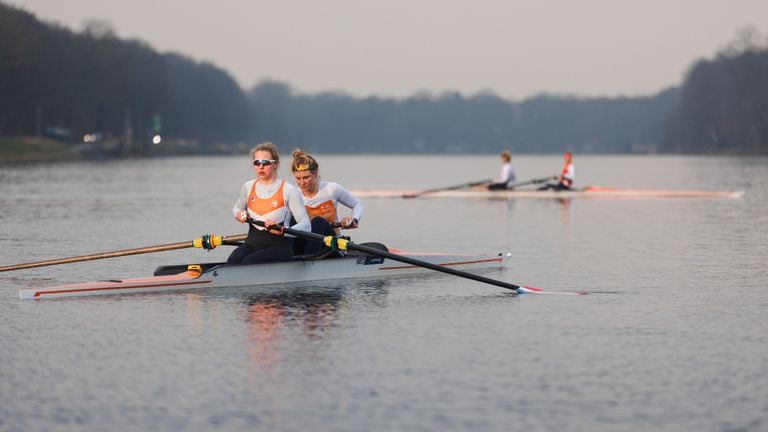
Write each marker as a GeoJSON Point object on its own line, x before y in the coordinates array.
{"type": "Point", "coordinates": [461, 186]}
{"type": "Point", "coordinates": [404, 259]}
{"type": "Point", "coordinates": [533, 181]}
{"type": "Point", "coordinates": [476, 183]}
{"type": "Point", "coordinates": [97, 256]}
{"type": "Point", "coordinates": [431, 266]}
{"type": "Point", "coordinates": [115, 254]}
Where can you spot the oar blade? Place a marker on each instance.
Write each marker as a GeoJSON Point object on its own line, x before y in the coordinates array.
{"type": "Point", "coordinates": [526, 289]}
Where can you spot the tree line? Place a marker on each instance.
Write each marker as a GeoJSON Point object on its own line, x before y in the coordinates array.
{"type": "Point", "coordinates": [65, 84]}
{"type": "Point", "coordinates": [452, 123]}
{"type": "Point", "coordinates": [723, 107]}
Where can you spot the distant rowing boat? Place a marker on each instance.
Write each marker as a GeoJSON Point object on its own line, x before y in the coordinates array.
{"type": "Point", "coordinates": [588, 192]}
{"type": "Point", "coordinates": [220, 275]}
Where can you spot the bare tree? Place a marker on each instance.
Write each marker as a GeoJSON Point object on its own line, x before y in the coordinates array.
{"type": "Point", "coordinates": [99, 29]}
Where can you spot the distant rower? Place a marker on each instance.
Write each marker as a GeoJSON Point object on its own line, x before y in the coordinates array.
{"type": "Point", "coordinates": [506, 175]}
{"type": "Point", "coordinates": [567, 175]}
{"type": "Point", "coordinates": [321, 200]}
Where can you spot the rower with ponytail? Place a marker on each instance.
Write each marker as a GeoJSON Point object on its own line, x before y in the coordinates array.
{"type": "Point", "coordinates": [321, 200]}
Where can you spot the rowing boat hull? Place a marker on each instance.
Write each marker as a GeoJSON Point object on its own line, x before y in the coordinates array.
{"type": "Point", "coordinates": [582, 193]}
{"type": "Point", "coordinates": [221, 275]}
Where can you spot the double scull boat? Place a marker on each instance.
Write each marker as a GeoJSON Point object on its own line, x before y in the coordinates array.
{"type": "Point", "coordinates": [219, 275]}
{"type": "Point", "coordinates": [588, 192]}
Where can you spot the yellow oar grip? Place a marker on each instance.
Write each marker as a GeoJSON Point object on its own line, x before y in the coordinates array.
{"type": "Point", "coordinates": [342, 243]}
{"type": "Point", "coordinates": [335, 243]}
{"type": "Point", "coordinates": [208, 241]}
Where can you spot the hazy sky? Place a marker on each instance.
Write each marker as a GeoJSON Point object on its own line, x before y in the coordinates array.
{"type": "Point", "coordinates": [399, 47]}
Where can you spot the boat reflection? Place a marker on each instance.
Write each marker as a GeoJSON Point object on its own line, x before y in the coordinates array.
{"type": "Point", "coordinates": [302, 317]}
{"type": "Point", "coordinates": [564, 204]}
{"type": "Point", "coordinates": [565, 210]}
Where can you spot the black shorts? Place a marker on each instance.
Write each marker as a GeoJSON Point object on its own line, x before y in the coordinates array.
{"type": "Point", "coordinates": [497, 186]}
{"type": "Point", "coordinates": [260, 247]}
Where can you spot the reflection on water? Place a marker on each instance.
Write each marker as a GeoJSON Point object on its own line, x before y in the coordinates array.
{"type": "Point", "coordinates": [300, 315]}
{"type": "Point", "coordinates": [268, 318]}
{"type": "Point", "coordinates": [565, 209]}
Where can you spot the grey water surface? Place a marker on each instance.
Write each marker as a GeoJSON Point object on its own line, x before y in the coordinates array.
{"type": "Point", "coordinates": [673, 336]}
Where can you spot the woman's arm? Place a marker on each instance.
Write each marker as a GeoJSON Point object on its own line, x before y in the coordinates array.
{"type": "Point", "coordinates": [296, 208]}
{"type": "Point", "coordinates": [348, 200]}
{"type": "Point", "coordinates": [242, 203]}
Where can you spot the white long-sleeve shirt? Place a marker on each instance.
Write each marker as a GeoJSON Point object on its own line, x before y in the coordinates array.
{"type": "Point", "coordinates": [506, 175]}
{"type": "Point", "coordinates": [334, 194]}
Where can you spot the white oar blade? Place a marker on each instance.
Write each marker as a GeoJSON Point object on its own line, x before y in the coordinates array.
{"type": "Point", "coordinates": [525, 289]}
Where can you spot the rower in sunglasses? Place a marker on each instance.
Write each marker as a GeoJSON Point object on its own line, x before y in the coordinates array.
{"type": "Point", "coordinates": [322, 199]}
{"type": "Point", "coordinates": [272, 201]}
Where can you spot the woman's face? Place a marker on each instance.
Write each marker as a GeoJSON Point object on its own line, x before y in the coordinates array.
{"type": "Point", "coordinates": [265, 168]}
{"type": "Point", "coordinates": [306, 181]}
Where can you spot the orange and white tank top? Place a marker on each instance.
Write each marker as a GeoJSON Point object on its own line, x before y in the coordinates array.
{"type": "Point", "coordinates": [325, 209]}
{"type": "Point", "coordinates": [323, 204]}
{"type": "Point", "coordinates": [273, 207]}
{"type": "Point", "coordinates": [326, 201]}
{"type": "Point", "coordinates": [568, 174]}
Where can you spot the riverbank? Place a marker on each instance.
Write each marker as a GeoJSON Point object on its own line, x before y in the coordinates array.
{"type": "Point", "coordinates": [44, 149]}
{"type": "Point", "coordinates": [34, 149]}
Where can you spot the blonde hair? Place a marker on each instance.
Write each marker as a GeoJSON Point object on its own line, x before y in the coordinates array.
{"type": "Point", "coordinates": [303, 162]}
{"type": "Point", "coordinates": [268, 147]}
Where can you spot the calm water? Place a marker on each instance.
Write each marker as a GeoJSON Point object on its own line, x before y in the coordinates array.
{"type": "Point", "coordinates": [673, 338]}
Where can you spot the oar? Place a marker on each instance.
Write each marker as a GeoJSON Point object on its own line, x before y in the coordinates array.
{"type": "Point", "coordinates": [461, 186]}
{"type": "Point", "coordinates": [532, 181]}
{"type": "Point", "coordinates": [478, 183]}
{"type": "Point", "coordinates": [206, 242]}
{"type": "Point", "coordinates": [344, 244]}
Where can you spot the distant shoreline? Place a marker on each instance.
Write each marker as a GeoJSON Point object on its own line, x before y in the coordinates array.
{"type": "Point", "coordinates": [30, 149]}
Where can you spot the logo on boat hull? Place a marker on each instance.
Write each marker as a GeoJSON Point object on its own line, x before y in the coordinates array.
{"type": "Point", "coordinates": [369, 260]}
